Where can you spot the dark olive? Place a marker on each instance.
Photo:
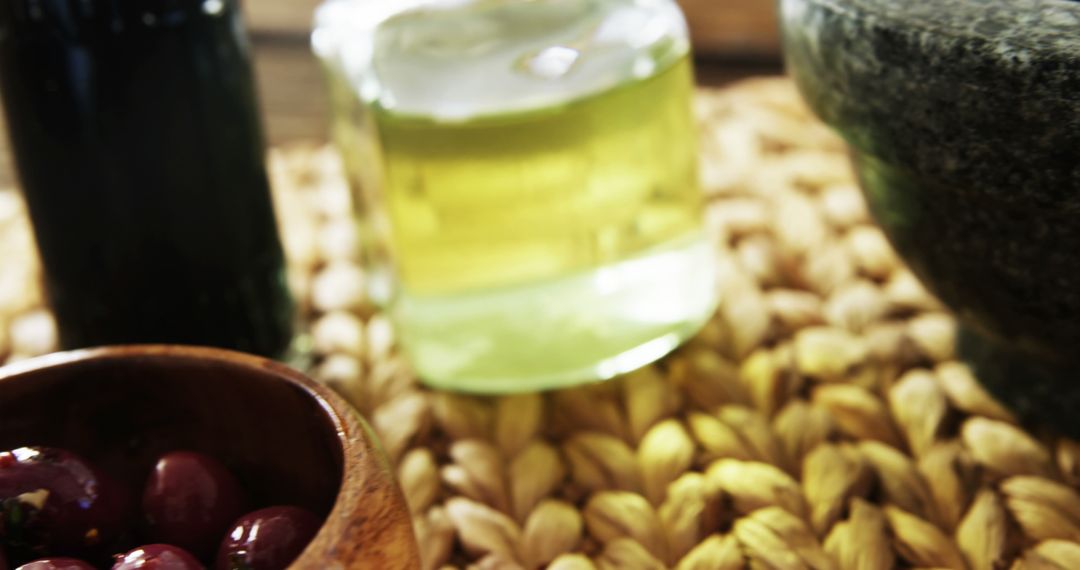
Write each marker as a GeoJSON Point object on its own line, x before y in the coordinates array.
{"type": "Point", "coordinates": [189, 501]}
{"type": "Point", "coordinates": [56, 564]}
{"type": "Point", "coordinates": [157, 557]}
{"type": "Point", "coordinates": [52, 502]}
{"type": "Point", "coordinates": [267, 539]}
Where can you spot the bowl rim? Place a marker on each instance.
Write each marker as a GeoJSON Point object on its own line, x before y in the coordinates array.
{"type": "Point", "coordinates": [332, 405]}
{"type": "Point", "coordinates": [361, 452]}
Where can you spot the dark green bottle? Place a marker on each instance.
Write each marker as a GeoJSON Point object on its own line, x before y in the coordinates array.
{"type": "Point", "coordinates": [138, 146]}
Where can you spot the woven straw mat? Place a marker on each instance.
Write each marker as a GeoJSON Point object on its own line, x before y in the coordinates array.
{"type": "Point", "coordinates": [819, 420]}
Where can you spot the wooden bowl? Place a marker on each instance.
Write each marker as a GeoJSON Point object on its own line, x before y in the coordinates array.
{"type": "Point", "coordinates": [288, 439]}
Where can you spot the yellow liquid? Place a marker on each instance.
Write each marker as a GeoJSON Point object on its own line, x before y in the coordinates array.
{"type": "Point", "coordinates": [509, 199]}
{"type": "Point", "coordinates": [541, 249]}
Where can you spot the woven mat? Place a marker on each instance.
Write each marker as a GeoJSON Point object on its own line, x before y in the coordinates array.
{"type": "Point", "coordinates": [818, 421]}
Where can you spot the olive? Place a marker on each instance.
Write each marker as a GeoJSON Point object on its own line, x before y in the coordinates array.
{"type": "Point", "coordinates": [267, 539]}
{"type": "Point", "coordinates": [56, 564]}
{"type": "Point", "coordinates": [189, 501]}
{"type": "Point", "coordinates": [52, 502]}
{"type": "Point", "coordinates": [157, 557]}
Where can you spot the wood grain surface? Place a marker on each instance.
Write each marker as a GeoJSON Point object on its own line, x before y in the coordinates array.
{"type": "Point", "coordinates": [733, 39]}
{"type": "Point", "coordinates": [719, 27]}
{"type": "Point", "coordinates": [733, 28]}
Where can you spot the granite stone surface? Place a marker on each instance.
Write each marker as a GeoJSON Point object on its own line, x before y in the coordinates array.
{"type": "Point", "coordinates": [984, 91]}
{"type": "Point", "coordinates": [964, 121]}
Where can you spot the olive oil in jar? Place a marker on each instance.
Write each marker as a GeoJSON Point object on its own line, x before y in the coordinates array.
{"type": "Point", "coordinates": [537, 167]}
{"type": "Point", "coordinates": [538, 195]}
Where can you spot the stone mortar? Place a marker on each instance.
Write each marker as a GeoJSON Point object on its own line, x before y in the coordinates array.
{"type": "Point", "coordinates": [963, 117]}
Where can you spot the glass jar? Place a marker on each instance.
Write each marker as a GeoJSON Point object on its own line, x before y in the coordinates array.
{"type": "Point", "coordinates": [528, 182]}
{"type": "Point", "coordinates": [138, 146]}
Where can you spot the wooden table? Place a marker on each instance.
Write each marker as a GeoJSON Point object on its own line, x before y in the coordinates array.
{"type": "Point", "coordinates": [733, 39]}
{"type": "Point", "coordinates": [745, 27]}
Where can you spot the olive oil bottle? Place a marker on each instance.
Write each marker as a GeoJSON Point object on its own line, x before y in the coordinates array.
{"type": "Point", "coordinates": [139, 149]}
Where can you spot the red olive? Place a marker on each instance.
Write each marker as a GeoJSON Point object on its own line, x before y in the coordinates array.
{"type": "Point", "coordinates": [52, 501]}
{"type": "Point", "coordinates": [267, 539]}
{"type": "Point", "coordinates": [189, 501]}
{"type": "Point", "coordinates": [56, 564]}
{"type": "Point", "coordinates": [157, 557]}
